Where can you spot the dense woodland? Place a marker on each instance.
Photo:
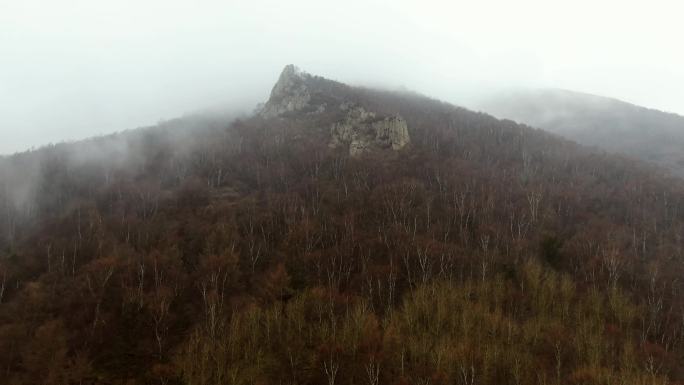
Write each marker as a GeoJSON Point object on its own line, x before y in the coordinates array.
{"type": "Point", "coordinates": [205, 251]}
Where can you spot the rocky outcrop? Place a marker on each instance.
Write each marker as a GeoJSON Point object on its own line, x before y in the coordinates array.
{"type": "Point", "coordinates": [359, 130]}
{"type": "Point", "coordinates": [364, 131]}
{"type": "Point", "coordinates": [289, 94]}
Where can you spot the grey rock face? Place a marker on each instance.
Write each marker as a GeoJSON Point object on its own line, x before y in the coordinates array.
{"type": "Point", "coordinates": [289, 94]}
{"type": "Point", "coordinates": [363, 131]}
{"type": "Point", "coordinates": [360, 130]}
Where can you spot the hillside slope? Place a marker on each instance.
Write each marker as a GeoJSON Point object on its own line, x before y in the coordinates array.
{"type": "Point", "coordinates": [342, 236]}
{"type": "Point", "coordinates": [610, 124]}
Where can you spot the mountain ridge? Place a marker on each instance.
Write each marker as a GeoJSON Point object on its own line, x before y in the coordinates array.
{"type": "Point", "coordinates": [611, 124]}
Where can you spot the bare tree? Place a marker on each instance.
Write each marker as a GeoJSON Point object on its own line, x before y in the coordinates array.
{"type": "Point", "coordinates": [331, 366]}
{"type": "Point", "coordinates": [468, 374]}
{"type": "Point", "coordinates": [373, 371]}
{"type": "Point", "coordinates": [613, 265]}
{"type": "Point", "coordinates": [534, 198]}
{"type": "Point", "coordinates": [2, 285]}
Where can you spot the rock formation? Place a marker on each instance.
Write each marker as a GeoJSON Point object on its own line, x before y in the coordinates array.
{"type": "Point", "coordinates": [364, 131]}
{"type": "Point", "coordinates": [361, 130]}
{"type": "Point", "coordinates": [289, 94]}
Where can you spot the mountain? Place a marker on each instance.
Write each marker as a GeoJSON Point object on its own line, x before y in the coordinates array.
{"type": "Point", "coordinates": [610, 124]}
{"type": "Point", "coordinates": [340, 235]}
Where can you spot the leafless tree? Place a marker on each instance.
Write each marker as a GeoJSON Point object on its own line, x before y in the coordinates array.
{"type": "Point", "coordinates": [373, 371]}
{"type": "Point", "coordinates": [467, 374]}
{"type": "Point", "coordinates": [534, 198]}
{"type": "Point", "coordinates": [2, 285]}
{"type": "Point", "coordinates": [331, 366]}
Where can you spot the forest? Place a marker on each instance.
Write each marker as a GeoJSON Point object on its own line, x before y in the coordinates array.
{"type": "Point", "coordinates": [210, 251]}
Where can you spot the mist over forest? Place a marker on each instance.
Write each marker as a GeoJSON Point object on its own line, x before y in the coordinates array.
{"type": "Point", "coordinates": [356, 193]}
{"type": "Point", "coordinates": [609, 124]}
{"type": "Point", "coordinates": [78, 69]}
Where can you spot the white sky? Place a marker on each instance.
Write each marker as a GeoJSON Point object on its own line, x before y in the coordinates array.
{"type": "Point", "coordinates": [74, 69]}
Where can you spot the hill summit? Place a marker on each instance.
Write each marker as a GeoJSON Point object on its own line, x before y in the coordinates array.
{"type": "Point", "coordinates": [297, 93]}
{"type": "Point", "coordinates": [291, 93]}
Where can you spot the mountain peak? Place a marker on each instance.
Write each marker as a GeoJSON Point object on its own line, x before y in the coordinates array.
{"type": "Point", "coordinates": [354, 126]}
{"type": "Point", "coordinates": [289, 94]}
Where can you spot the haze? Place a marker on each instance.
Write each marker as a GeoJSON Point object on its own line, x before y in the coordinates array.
{"type": "Point", "coordinates": [75, 69]}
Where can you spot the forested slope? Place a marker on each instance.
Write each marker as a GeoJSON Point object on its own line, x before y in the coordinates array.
{"type": "Point", "coordinates": [250, 251]}
{"type": "Point", "coordinates": [615, 126]}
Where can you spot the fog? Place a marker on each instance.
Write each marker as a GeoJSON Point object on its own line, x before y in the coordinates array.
{"type": "Point", "coordinates": [81, 68]}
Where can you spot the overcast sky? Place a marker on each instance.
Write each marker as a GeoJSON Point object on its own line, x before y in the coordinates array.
{"type": "Point", "coordinates": [71, 69]}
